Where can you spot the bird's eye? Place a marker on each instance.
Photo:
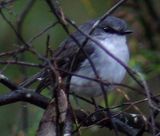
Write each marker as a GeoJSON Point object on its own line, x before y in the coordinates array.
{"type": "Point", "coordinates": [108, 29]}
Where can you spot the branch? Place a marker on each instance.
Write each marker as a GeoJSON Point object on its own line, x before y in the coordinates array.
{"type": "Point", "coordinates": [130, 124]}
{"type": "Point", "coordinates": [26, 96]}
{"type": "Point", "coordinates": [21, 94]}
{"type": "Point", "coordinates": [28, 64]}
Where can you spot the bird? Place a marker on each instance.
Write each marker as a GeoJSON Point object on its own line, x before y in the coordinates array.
{"type": "Point", "coordinates": [91, 60]}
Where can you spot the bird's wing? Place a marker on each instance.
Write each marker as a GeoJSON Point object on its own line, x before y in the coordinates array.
{"type": "Point", "coordinates": [68, 56]}
{"type": "Point", "coordinates": [69, 52]}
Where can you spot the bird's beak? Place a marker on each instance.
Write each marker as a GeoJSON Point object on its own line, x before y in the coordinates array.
{"type": "Point", "coordinates": [128, 31]}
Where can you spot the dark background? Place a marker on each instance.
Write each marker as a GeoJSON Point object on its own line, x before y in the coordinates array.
{"type": "Point", "coordinates": [143, 17]}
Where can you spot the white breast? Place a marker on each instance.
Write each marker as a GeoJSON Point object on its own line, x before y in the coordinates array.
{"type": "Point", "coordinates": [108, 69]}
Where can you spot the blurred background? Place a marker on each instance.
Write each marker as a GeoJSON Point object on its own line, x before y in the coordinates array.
{"type": "Point", "coordinates": [143, 17]}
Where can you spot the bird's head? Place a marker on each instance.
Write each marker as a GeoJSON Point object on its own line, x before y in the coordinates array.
{"type": "Point", "coordinates": [113, 24]}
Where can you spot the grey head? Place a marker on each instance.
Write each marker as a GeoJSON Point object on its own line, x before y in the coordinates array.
{"type": "Point", "coordinates": [113, 24]}
{"type": "Point", "coordinates": [110, 24]}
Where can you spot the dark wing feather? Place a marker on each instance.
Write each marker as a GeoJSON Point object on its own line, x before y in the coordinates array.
{"type": "Point", "coordinates": [69, 50]}
{"type": "Point", "coordinates": [65, 55]}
